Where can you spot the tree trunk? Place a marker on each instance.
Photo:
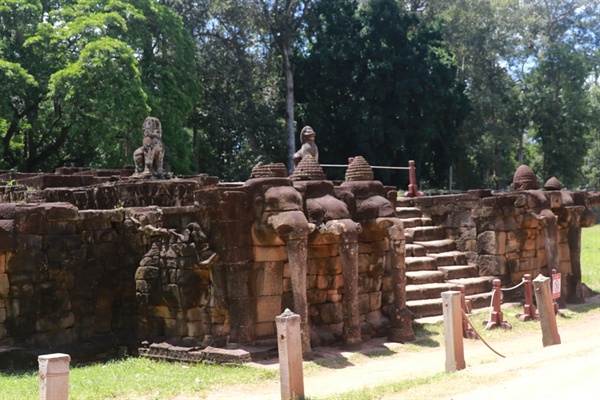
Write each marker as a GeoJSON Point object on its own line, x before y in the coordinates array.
{"type": "Point", "coordinates": [195, 145]}
{"type": "Point", "coordinates": [289, 108]}
{"type": "Point", "coordinates": [521, 149]}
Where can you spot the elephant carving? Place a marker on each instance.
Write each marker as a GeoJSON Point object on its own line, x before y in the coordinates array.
{"type": "Point", "coordinates": [377, 217]}
{"type": "Point", "coordinates": [280, 220]}
{"type": "Point", "coordinates": [332, 217]}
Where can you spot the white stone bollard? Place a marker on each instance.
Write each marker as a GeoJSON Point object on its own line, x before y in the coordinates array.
{"type": "Point", "coordinates": [54, 376]}
{"type": "Point", "coordinates": [289, 344]}
{"type": "Point", "coordinates": [453, 337]}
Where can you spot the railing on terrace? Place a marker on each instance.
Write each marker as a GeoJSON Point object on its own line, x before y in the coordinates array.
{"type": "Point", "coordinates": [413, 190]}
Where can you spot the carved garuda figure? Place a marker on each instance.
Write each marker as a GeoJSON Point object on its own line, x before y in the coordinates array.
{"type": "Point", "coordinates": [307, 137]}
{"type": "Point", "coordinates": [149, 158]}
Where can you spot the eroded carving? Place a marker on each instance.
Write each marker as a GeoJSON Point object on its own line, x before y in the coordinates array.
{"type": "Point", "coordinates": [524, 179]}
{"type": "Point", "coordinates": [148, 159]}
{"type": "Point", "coordinates": [174, 285]}
{"type": "Point", "coordinates": [309, 147]}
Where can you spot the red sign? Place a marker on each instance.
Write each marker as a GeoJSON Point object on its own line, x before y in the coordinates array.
{"type": "Point", "coordinates": [555, 286]}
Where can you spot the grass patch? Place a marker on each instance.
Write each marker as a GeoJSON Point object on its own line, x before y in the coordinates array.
{"type": "Point", "coordinates": [590, 257]}
{"type": "Point", "coordinates": [19, 385]}
{"type": "Point", "coordinates": [137, 377]}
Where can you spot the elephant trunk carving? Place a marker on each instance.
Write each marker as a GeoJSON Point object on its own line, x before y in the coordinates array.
{"type": "Point", "coordinates": [297, 256]}
{"type": "Point", "coordinates": [348, 232]}
{"type": "Point", "coordinates": [401, 325]}
{"type": "Point", "coordinates": [293, 228]}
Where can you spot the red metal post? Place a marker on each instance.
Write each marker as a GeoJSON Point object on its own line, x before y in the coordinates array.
{"type": "Point", "coordinates": [529, 311]}
{"type": "Point", "coordinates": [468, 333]}
{"type": "Point", "coordinates": [413, 190]}
{"type": "Point", "coordinates": [496, 314]}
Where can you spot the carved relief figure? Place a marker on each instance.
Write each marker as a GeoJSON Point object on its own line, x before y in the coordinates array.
{"type": "Point", "coordinates": [175, 275]}
{"type": "Point", "coordinates": [307, 138]}
{"type": "Point", "coordinates": [148, 159]}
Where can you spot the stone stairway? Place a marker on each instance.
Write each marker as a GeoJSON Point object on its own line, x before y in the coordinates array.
{"type": "Point", "coordinates": [433, 266]}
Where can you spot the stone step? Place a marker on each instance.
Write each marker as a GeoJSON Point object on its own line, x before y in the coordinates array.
{"type": "Point", "coordinates": [474, 285]}
{"type": "Point", "coordinates": [13, 357]}
{"type": "Point", "coordinates": [422, 277]}
{"type": "Point", "coordinates": [459, 271]}
{"type": "Point", "coordinates": [425, 308]}
{"type": "Point", "coordinates": [408, 212]}
{"type": "Point", "coordinates": [449, 258]}
{"type": "Point", "coordinates": [433, 307]}
{"type": "Point", "coordinates": [425, 233]}
{"type": "Point", "coordinates": [437, 246]}
{"type": "Point", "coordinates": [479, 300]}
{"type": "Point", "coordinates": [420, 264]}
{"type": "Point", "coordinates": [415, 250]}
{"type": "Point", "coordinates": [428, 290]}
{"type": "Point", "coordinates": [412, 222]}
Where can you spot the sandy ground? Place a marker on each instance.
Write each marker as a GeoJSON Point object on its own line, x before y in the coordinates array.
{"type": "Point", "coordinates": [529, 371]}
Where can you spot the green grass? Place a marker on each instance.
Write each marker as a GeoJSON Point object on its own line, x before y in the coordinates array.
{"type": "Point", "coordinates": [137, 377]}
{"type": "Point", "coordinates": [590, 257]}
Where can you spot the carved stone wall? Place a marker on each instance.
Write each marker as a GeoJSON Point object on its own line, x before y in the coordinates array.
{"type": "Point", "coordinates": [207, 263]}
{"type": "Point", "coordinates": [65, 274]}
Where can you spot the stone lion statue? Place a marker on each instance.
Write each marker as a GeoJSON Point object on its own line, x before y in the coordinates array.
{"type": "Point", "coordinates": [307, 138]}
{"type": "Point", "coordinates": [148, 159]}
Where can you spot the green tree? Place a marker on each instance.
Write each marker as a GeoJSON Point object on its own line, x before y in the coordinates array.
{"type": "Point", "coordinates": [591, 162]}
{"type": "Point", "coordinates": [284, 20]}
{"type": "Point", "coordinates": [557, 62]}
{"type": "Point", "coordinates": [527, 66]}
{"type": "Point", "coordinates": [481, 35]}
{"type": "Point", "coordinates": [237, 121]}
{"type": "Point", "coordinates": [79, 77]}
{"type": "Point", "coordinates": [378, 82]}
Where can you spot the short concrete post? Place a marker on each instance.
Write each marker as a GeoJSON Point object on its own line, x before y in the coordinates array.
{"type": "Point", "coordinates": [543, 298]}
{"type": "Point", "coordinates": [54, 376]}
{"type": "Point", "coordinates": [289, 345]}
{"type": "Point", "coordinates": [453, 337]}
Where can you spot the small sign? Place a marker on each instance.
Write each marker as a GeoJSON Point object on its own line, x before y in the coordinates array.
{"type": "Point", "coordinates": [555, 286]}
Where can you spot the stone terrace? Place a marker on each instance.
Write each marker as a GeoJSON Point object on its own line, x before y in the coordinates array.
{"type": "Point", "coordinates": [100, 258]}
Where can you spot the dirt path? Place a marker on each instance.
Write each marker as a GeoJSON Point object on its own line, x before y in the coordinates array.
{"type": "Point", "coordinates": [528, 370]}
{"type": "Point", "coordinates": [570, 370]}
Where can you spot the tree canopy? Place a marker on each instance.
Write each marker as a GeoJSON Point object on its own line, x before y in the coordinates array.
{"type": "Point", "coordinates": [528, 67]}
{"type": "Point", "coordinates": [475, 87]}
{"type": "Point", "coordinates": [79, 77]}
{"type": "Point", "coordinates": [378, 82]}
